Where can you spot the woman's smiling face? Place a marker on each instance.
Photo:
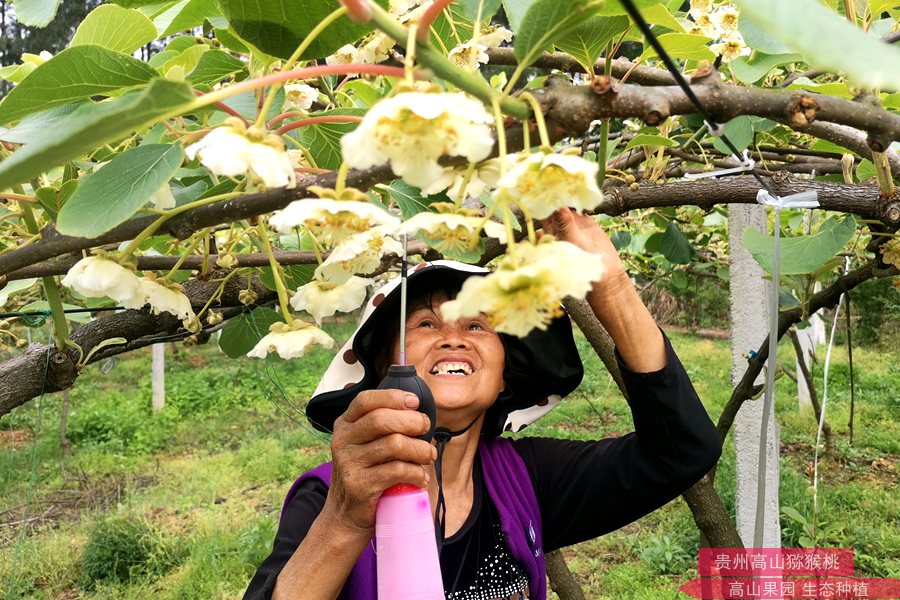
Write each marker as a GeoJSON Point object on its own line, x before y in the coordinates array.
{"type": "Point", "coordinates": [461, 361]}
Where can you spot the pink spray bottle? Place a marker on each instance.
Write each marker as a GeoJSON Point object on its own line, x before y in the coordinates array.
{"type": "Point", "coordinates": [406, 548]}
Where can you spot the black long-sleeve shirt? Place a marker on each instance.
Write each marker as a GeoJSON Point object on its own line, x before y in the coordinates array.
{"type": "Point", "coordinates": [584, 488]}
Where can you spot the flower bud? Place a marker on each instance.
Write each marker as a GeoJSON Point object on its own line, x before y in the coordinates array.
{"type": "Point", "coordinates": [4, 324]}
{"type": "Point", "coordinates": [214, 317]}
{"type": "Point", "coordinates": [247, 297]}
{"type": "Point", "coordinates": [192, 324]}
{"type": "Point", "coordinates": [634, 186]}
{"type": "Point", "coordinates": [190, 341]}
{"type": "Point", "coordinates": [226, 261]}
{"type": "Point", "coordinates": [629, 179]}
{"type": "Point", "coordinates": [21, 343]}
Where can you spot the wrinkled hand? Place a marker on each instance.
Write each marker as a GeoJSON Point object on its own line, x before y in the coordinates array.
{"type": "Point", "coordinates": [374, 447]}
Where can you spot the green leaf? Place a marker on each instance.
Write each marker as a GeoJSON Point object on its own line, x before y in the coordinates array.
{"type": "Point", "coordinates": [14, 287]}
{"type": "Point", "coordinates": [177, 66]}
{"type": "Point", "coordinates": [95, 124]}
{"type": "Point", "coordinates": [115, 28]}
{"type": "Point", "coordinates": [243, 332]}
{"type": "Point", "coordinates": [754, 68]}
{"type": "Point", "coordinates": [876, 7]}
{"type": "Point", "coordinates": [33, 126]}
{"type": "Point", "coordinates": [52, 199]}
{"type": "Point", "coordinates": [864, 59]}
{"type": "Point", "coordinates": [546, 21]}
{"type": "Point", "coordinates": [409, 198]}
{"type": "Point", "coordinates": [802, 254]}
{"type": "Point", "coordinates": [835, 88]}
{"type": "Point", "coordinates": [683, 45]}
{"type": "Point", "coordinates": [758, 39]}
{"type": "Point", "coordinates": [646, 139]}
{"type": "Point", "coordinates": [185, 15]}
{"type": "Point", "coordinates": [35, 13]}
{"type": "Point", "coordinates": [111, 195]}
{"type": "Point", "coordinates": [793, 514]}
{"type": "Point", "coordinates": [73, 74]}
{"type": "Point", "coordinates": [865, 170]}
{"type": "Point", "coordinates": [324, 139]}
{"type": "Point", "coordinates": [278, 26]}
{"type": "Point", "coordinates": [658, 14]}
{"type": "Point", "coordinates": [675, 247]}
{"type": "Point", "coordinates": [679, 279]}
{"type": "Point", "coordinates": [470, 8]}
{"type": "Point", "coordinates": [294, 276]}
{"type": "Point", "coordinates": [740, 131]}
{"type": "Point", "coordinates": [214, 66]}
{"type": "Point", "coordinates": [587, 41]}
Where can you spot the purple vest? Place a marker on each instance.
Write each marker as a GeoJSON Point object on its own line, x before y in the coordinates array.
{"type": "Point", "coordinates": [509, 487]}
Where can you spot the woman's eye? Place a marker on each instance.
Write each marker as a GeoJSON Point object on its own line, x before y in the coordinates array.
{"type": "Point", "coordinates": [426, 323]}
{"type": "Point", "coordinates": [476, 326]}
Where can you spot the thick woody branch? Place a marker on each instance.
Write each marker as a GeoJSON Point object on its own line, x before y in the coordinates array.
{"type": "Point", "coordinates": [563, 62]}
{"type": "Point", "coordinates": [827, 298]}
{"type": "Point", "coordinates": [29, 375]}
{"type": "Point", "coordinates": [573, 108]}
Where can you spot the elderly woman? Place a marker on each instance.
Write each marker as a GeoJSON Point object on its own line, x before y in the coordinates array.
{"type": "Point", "coordinates": [501, 503]}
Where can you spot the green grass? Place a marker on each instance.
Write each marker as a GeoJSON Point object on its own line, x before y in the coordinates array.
{"type": "Point", "coordinates": [206, 477]}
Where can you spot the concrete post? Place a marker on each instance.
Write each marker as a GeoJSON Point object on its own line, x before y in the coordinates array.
{"type": "Point", "coordinates": [158, 371]}
{"type": "Point", "coordinates": [749, 324]}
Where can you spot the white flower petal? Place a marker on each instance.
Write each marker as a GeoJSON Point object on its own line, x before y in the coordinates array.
{"type": "Point", "coordinates": [323, 298]}
{"type": "Point", "coordinates": [300, 96]}
{"type": "Point", "coordinates": [271, 165]}
{"type": "Point", "coordinates": [544, 183]}
{"type": "Point", "coordinates": [290, 343]}
{"type": "Point", "coordinates": [97, 277]}
{"type": "Point", "coordinates": [162, 199]}
{"type": "Point", "coordinates": [165, 299]}
{"type": "Point", "coordinates": [359, 253]}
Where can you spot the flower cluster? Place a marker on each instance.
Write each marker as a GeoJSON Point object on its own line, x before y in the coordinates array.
{"type": "Point", "coordinates": [542, 183]}
{"type": "Point", "coordinates": [721, 24]}
{"type": "Point", "coordinates": [101, 277]}
{"type": "Point", "coordinates": [413, 129]}
{"type": "Point", "coordinates": [233, 149]}
{"type": "Point", "coordinates": [526, 289]}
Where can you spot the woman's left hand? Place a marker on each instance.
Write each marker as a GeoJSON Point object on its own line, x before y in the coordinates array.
{"type": "Point", "coordinates": [583, 231]}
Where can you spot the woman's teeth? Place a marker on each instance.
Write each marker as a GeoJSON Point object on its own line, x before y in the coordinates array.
{"type": "Point", "coordinates": [451, 368]}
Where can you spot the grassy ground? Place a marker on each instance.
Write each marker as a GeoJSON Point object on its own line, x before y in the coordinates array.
{"type": "Point", "coordinates": [183, 504]}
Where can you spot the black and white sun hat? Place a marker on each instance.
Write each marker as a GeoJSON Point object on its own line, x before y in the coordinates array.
{"type": "Point", "coordinates": [540, 370]}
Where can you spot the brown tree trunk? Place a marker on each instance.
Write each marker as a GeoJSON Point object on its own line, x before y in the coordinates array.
{"type": "Point", "coordinates": [561, 579]}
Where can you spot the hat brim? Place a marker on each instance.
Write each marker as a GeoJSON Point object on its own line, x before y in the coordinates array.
{"type": "Point", "coordinates": [543, 364]}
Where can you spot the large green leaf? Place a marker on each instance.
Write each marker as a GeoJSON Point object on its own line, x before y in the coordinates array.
{"type": "Point", "coordinates": [115, 28]}
{"type": "Point", "coordinates": [545, 22]}
{"type": "Point", "coordinates": [35, 13]}
{"type": "Point", "coordinates": [516, 9]}
{"type": "Point", "coordinates": [111, 195]}
{"type": "Point", "coordinates": [31, 127]}
{"type": "Point", "coordinates": [803, 254]}
{"type": "Point", "coordinates": [827, 41]}
{"type": "Point", "coordinates": [683, 45]}
{"type": "Point", "coordinates": [294, 276]}
{"type": "Point", "coordinates": [186, 15]}
{"type": "Point", "coordinates": [740, 131]}
{"type": "Point", "coordinates": [243, 332]}
{"type": "Point", "coordinates": [73, 74]}
{"type": "Point", "coordinates": [95, 124]}
{"type": "Point", "coordinates": [14, 287]}
{"type": "Point", "coordinates": [324, 139]}
{"type": "Point", "coordinates": [675, 247]}
{"type": "Point", "coordinates": [754, 68]}
{"type": "Point", "coordinates": [278, 26]}
{"type": "Point", "coordinates": [214, 66]}
{"type": "Point", "coordinates": [648, 139]}
{"type": "Point", "coordinates": [587, 41]}
{"type": "Point", "coordinates": [409, 198]}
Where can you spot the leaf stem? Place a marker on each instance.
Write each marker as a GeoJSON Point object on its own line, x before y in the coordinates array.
{"type": "Point", "coordinates": [309, 39]}
{"type": "Point", "coordinates": [51, 288]}
{"type": "Point", "coordinates": [280, 288]}
{"type": "Point", "coordinates": [321, 119]}
{"type": "Point", "coordinates": [539, 119]}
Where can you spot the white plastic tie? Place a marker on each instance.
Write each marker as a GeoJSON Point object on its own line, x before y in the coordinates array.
{"type": "Point", "coordinates": [800, 200]}
{"type": "Point", "coordinates": [747, 164]}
